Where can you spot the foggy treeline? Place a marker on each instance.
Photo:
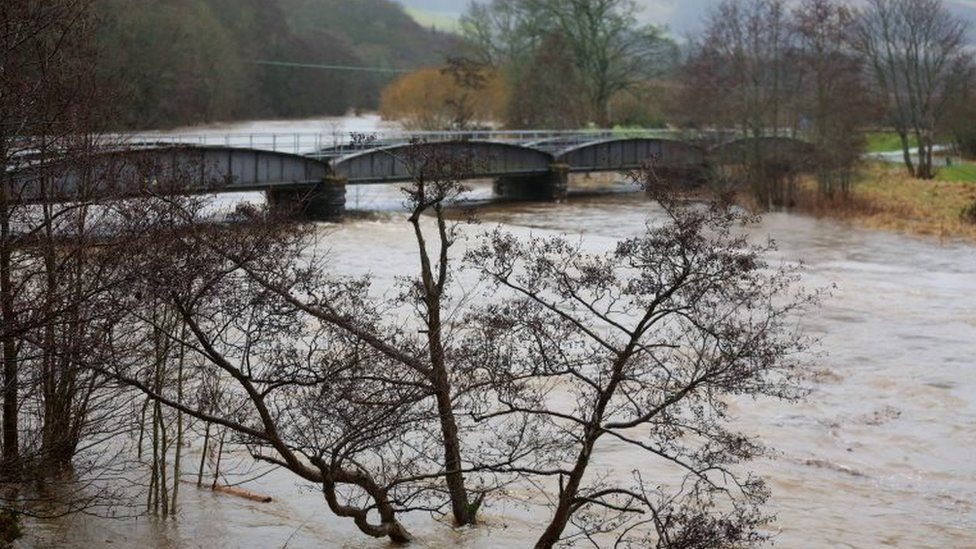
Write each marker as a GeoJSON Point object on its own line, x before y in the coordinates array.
{"type": "Point", "coordinates": [193, 61]}
{"type": "Point", "coordinates": [825, 71]}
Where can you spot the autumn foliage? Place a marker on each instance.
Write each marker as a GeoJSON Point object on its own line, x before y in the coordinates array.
{"type": "Point", "coordinates": [436, 98]}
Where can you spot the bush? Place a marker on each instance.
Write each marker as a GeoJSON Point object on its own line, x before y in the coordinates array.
{"type": "Point", "coordinates": [968, 213]}
{"type": "Point", "coordinates": [10, 529]}
{"type": "Point", "coordinates": [433, 99]}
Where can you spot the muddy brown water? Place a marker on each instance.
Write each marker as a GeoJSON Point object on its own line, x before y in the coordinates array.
{"type": "Point", "coordinates": [882, 452]}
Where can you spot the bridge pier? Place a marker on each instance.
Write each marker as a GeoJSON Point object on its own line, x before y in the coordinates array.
{"type": "Point", "coordinates": [553, 185]}
{"type": "Point", "coordinates": [326, 201]}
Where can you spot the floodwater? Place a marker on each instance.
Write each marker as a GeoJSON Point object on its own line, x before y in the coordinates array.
{"type": "Point", "coordinates": [881, 454]}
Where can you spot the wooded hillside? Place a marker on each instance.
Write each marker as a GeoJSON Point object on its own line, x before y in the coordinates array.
{"type": "Point", "coordinates": [190, 61]}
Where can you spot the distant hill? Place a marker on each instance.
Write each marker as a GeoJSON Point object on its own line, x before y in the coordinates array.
{"type": "Point", "coordinates": [188, 61]}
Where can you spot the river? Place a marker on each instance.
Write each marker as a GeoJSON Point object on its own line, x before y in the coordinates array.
{"type": "Point", "coordinates": [881, 453]}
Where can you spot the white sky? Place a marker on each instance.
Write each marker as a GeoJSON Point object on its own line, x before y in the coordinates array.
{"type": "Point", "coordinates": [681, 16]}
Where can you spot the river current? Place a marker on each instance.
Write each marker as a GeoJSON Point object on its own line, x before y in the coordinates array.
{"type": "Point", "coordinates": [882, 453]}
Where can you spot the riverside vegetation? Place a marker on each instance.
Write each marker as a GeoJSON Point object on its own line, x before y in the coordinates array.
{"type": "Point", "coordinates": [133, 324]}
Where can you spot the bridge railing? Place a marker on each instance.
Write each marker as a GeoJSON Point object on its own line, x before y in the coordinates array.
{"type": "Point", "coordinates": [336, 144]}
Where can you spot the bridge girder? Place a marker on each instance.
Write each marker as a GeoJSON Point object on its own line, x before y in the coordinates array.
{"type": "Point", "coordinates": [208, 169]}
{"type": "Point", "coordinates": [473, 159]}
{"type": "Point", "coordinates": [630, 154]}
{"type": "Point", "coordinates": [191, 169]}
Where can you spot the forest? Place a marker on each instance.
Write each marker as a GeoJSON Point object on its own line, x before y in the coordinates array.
{"type": "Point", "coordinates": [192, 61]}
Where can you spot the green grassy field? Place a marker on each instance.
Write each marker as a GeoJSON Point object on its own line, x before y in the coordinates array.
{"type": "Point", "coordinates": [959, 171]}
{"type": "Point", "coordinates": [885, 141]}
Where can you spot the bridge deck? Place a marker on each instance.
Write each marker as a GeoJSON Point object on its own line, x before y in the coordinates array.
{"type": "Point", "coordinates": [233, 168]}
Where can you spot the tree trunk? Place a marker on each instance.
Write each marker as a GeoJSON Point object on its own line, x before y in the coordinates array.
{"type": "Point", "coordinates": [460, 506]}
{"type": "Point", "coordinates": [11, 444]}
{"type": "Point", "coordinates": [907, 152]}
{"type": "Point", "coordinates": [567, 496]}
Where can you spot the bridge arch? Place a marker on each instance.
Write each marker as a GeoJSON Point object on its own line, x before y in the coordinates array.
{"type": "Point", "coordinates": [197, 169]}
{"type": "Point", "coordinates": [630, 154]}
{"type": "Point", "coordinates": [476, 159]}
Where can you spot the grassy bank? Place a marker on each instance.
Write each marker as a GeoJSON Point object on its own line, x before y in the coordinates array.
{"type": "Point", "coordinates": [885, 197]}
{"type": "Point", "coordinates": [885, 142]}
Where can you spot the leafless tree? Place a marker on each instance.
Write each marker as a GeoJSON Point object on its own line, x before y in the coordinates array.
{"type": "Point", "coordinates": [835, 100]}
{"type": "Point", "coordinates": [469, 75]}
{"type": "Point", "coordinates": [915, 52]}
{"type": "Point", "coordinates": [646, 345]}
{"type": "Point", "coordinates": [372, 399]}
{"type": "Point", "coordinates": [739, 71]}
{"type": "Point", "coordinates": [612, 51]}
{"type": "Point", "coordinates": [743, 74]}
{"type": "Point", "coordinates": [548, 90]}
{"type": "Point", "coordinates": [50, 107]}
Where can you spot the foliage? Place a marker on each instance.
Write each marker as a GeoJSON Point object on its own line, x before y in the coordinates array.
{"type": "Point", "coordinates": [645, 105]}
{"type": "Point", "coordinates": [968, 213]}
{"type": "Point", "coordinates": [438, 99]}
{"type": "Point", "coordinates": [10, 528]}
{"type": "Point", "coordinates": [961, 122]}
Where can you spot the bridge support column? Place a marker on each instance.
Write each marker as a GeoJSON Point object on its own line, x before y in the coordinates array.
{"type": "Point", "coordinates": [326, 201]}
{"type": "Point", "coordinates": [553, 185]}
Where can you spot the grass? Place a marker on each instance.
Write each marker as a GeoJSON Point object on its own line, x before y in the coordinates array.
{"type": "Point", "coordinates": [885, 197]}
{"type": "Point", "coordinates": [885, 142]}
{"type": "Point", "coordinates": [959, 171]}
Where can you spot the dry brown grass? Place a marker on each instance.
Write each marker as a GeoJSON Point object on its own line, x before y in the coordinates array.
{"type": "Point", "coordinates": [885, 197]}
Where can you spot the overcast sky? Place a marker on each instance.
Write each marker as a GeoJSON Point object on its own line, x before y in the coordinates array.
{"type": "Point", "coordinates": [681, 16]}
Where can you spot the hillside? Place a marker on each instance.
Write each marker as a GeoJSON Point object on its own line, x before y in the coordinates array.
{"type": "Point", "coordinates": [189, 61]}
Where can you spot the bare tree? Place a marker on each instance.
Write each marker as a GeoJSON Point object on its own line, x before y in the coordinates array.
{"type": "Point", "coordinates": [307, 399]}
{"type": "Point", "coordinates": [915, 52]}
{"type": "Point", "coordinates": [742, 74]}
{"type": "Point", "coordinates": [51, 105]}
{"type": "Point", "coordinates": [837, 104]}
{"type": "Point", "coordinates": [469, 75]}
{"type": "Point", "coordinates": [645, 346]}
{"type": "Point", "coordinates": [548, 90]}
{"type": "Point", "coordinates": [611, 50]}
{"type": "Point", "coordinates": [376, 409]}
{"type": "Point", "coordinates": [739, 73]}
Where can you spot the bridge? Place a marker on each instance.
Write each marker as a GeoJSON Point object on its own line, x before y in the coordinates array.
{"type": "Point", "coordinates": [309, 173]}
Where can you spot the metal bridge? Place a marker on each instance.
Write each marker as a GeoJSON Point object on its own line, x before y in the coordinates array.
{"type": "Point", "coordinates": [285, 166]}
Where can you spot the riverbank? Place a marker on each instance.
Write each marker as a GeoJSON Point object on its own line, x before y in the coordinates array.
{"type": "Point", "coordinates": [885, 197]}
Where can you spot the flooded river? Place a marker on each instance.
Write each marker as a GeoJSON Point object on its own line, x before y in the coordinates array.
{"type": "Point", "coordinates": [881, 453]}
